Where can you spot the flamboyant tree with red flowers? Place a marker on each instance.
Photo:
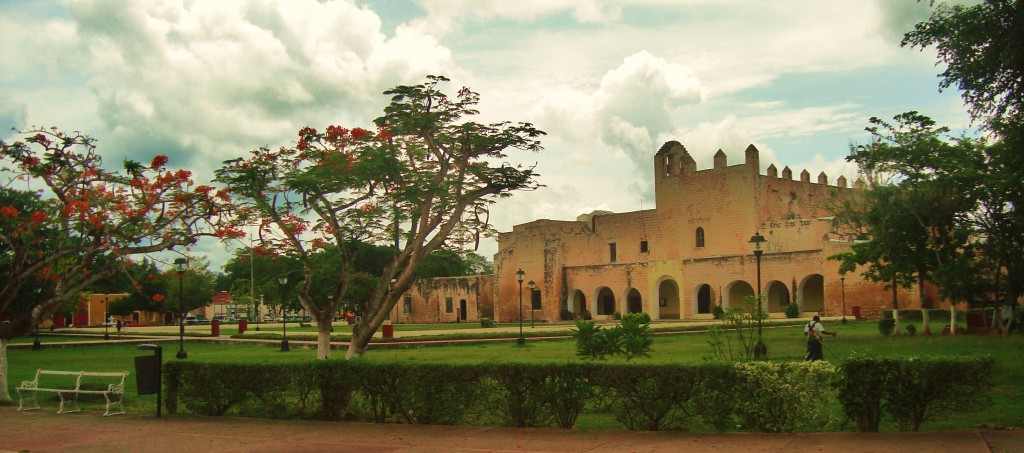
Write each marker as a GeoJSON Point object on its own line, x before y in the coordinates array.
{"type": "Point", "coordinates": [423, 179]}
{"type": "Point", "coordinates": [66, 222]}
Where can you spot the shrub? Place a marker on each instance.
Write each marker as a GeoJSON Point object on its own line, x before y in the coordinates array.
{"type": "Point", "coordinates": [912, 390]}
{"type": "Point", "coordinates": [588, 341]}
{"type": "Point", "coordinates": [886, 326]}
{"type": "Point", "coordinates": [792, 311]}
{"type": "Point", "coordinates": [643, 318]}
{"type": "Point", "coordinates": [636, 337]}
{"type": "Point", "coordinates": [566, 315]}
{"type": "Point", "coordinates": [520, 395]}
{"type": "Point", "coordinates": [616, 316]}
{"type": "Point", "coordinates": [928, 389]}
{"type": "Point", "coordinates": [486, 322]}
{"type": "Point", "coordinates": [631, 338]}
{"type": "Point", "coordinates": [911, 330]}
{"type": "Point", "coordinates": [586, 315]}
{"type": "Point", "coordinates": [785, 397]}
{"type": "Point", "coordinates": [718, 312]}
{"type": "Point", "coordinates": [650, 397]}
{"type": "Point", "coordinates": [862, 385]}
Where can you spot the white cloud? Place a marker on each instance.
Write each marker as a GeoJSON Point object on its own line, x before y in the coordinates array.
{"type": "Point", "coordinates": [215, 79]}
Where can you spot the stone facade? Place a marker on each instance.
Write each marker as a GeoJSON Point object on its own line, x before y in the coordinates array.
{"type": "Point", "coordinates": [449, 299]}
{"type": "Point", "coordinates": [692, 251]}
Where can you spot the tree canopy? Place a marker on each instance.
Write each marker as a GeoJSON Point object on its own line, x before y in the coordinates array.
{"type": "Point", "coordinates": [424, 178]}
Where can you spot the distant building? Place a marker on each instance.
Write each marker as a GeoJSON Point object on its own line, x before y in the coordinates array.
{"type": "Point", "coordinates": [678, 260]}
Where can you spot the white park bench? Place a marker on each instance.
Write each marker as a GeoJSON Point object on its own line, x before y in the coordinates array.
{"type": "Point", "coordinates": [68, 385]}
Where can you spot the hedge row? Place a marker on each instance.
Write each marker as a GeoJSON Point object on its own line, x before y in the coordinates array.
{"type": "Point", "coordinates": [761, 396]}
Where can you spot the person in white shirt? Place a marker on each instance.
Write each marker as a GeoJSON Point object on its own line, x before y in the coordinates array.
{"type": "Point", "coordinates": [814, 331]}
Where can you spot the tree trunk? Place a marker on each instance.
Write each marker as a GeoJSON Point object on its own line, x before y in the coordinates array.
{"type": "Point", "coordinates": [5, 395]}
{"type": "Point", "coordinates": [895, 310]}
{"type": "Point", "coordinates": [323, 334]}
{"type": "Point", "coordinates": [952, 318]}
{"type": "Point", "coordinates": [923, 299]}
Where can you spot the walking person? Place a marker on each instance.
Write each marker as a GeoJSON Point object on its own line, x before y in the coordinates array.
{"type": "Point", "coordinates": [814, 331]}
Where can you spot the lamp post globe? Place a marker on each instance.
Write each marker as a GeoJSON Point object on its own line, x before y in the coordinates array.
{"type": "Point", "coordinates": [519, 278]}
{"type": "Point", "coordinates": [760, 349]}
{"type": "Point", "coordinates": [283, 280]}
{"type": "Point", "coordinates": [180, 266]}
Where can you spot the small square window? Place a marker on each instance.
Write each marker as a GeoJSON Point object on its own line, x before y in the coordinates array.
{"type": "Point", "coordinates": [643, 246]}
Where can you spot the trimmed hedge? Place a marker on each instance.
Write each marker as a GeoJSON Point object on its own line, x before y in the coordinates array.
{"type": "Point", "coordinates": [760, 396]}
{"type": "Point", "coordinates": [912, 391]}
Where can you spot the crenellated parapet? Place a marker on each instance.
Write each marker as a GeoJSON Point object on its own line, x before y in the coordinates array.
{"type": "Point", "coordinates": [673, 160]}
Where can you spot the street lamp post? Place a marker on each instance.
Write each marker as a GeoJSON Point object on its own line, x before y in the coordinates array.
{"type": "Point", "coordinates": [760, 350]}
{"type": "Point", "coordinates": [181, 265]}
{"type": "Point", "coordinates": [283, 280]}
{"type": "Point", "coordinates": [106, 316]}
{"type": "Point", "coordinates": [36, 345]}
{"type": "Point", "coordinates": [531, 285]}
{"type": "Point", "coordinates": [842, 284]}
{"type": "Point", "coordinates": [519, 277]}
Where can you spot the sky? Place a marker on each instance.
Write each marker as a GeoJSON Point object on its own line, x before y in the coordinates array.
{"type": "Point", "coordinates": [609, 81]}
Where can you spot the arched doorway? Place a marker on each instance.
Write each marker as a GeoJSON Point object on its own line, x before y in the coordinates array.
{"type": "Point", "coordinates": [777, 296]}
{"type": "Point", "coordinates": [634, 303]}
{"type": "Point", "coordinates": [735, 291]}
{"type": "Point", "coordinates": [704, 299]}
{"type": "Point", "coordinates": [605, 301]}
{"type": "Point", "coordinates": [812, 293]}
{"type": "Point", "coordinates": [668, 300]}
{"type": "Point", "coordinates": [578, 304]}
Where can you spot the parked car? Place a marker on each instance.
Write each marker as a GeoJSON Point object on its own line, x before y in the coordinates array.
{"type": "Point", "coordinates": [196, 319]}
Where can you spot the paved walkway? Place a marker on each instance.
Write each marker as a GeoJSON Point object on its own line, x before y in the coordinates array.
{"type": "Point", "coordinates": [45, 431]}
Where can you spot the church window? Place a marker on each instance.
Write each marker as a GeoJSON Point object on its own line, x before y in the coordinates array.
{"type": "Point", "coordinates": [700, 237]}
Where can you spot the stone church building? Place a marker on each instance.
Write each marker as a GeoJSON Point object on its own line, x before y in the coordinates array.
{"type": "Point", "coordinates": [689, 253]}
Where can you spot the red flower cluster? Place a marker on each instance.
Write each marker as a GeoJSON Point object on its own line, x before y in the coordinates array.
{"type": "Point", "coordinates": [159, 297]}
{"type": "Point", "coordinates": [336, 133]}
{"type": "Point", "coordinates": [360, 133]}
{"type": "Point", "coordinates": [9, 211]}
{"type": "Point", "coordinates": [37, 218]}
{"type": "Point", "coordinates": [158, 162]}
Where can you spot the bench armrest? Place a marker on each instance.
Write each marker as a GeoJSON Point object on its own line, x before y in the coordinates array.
{"type": "Point", "coordinates": [29, 384]}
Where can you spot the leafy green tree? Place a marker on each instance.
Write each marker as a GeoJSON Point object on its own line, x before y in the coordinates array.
{"type": "Point", "coordinates": [197, 287]}
{"type": "Point", "coordinates": [980, 47]}
{"type": "Point", "coordinates": [919, 228]}
{"type": "Point", "coordinates": [147, 289]}
{"type": "Point", "coordinates": [425, 177]}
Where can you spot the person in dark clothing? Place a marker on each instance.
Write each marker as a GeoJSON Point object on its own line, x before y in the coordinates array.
{"type": "Point", "coordinates": [814, 331]}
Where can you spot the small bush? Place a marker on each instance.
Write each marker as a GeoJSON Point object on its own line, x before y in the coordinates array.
{"type": "Point", "coordinates": [911, 330]}
{"type": "Point", "coordinates": [586, 315]}
{"type": "Point", "coordinates": [792, 311]}
{"type": "Point", "coordinates": [566, 315]}
{"type": "Point", "coordinates": [486, 322]}
{"type": "Point", "coordinates": [886, 326]}
{"type": "Point", "coordinates": [616, 316]}
{"type": "Point", "coordinates": [718, 312]}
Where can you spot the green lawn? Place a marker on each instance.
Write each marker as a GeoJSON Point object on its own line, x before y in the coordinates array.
{"type": "Point", "coordinates": [784, 343]}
